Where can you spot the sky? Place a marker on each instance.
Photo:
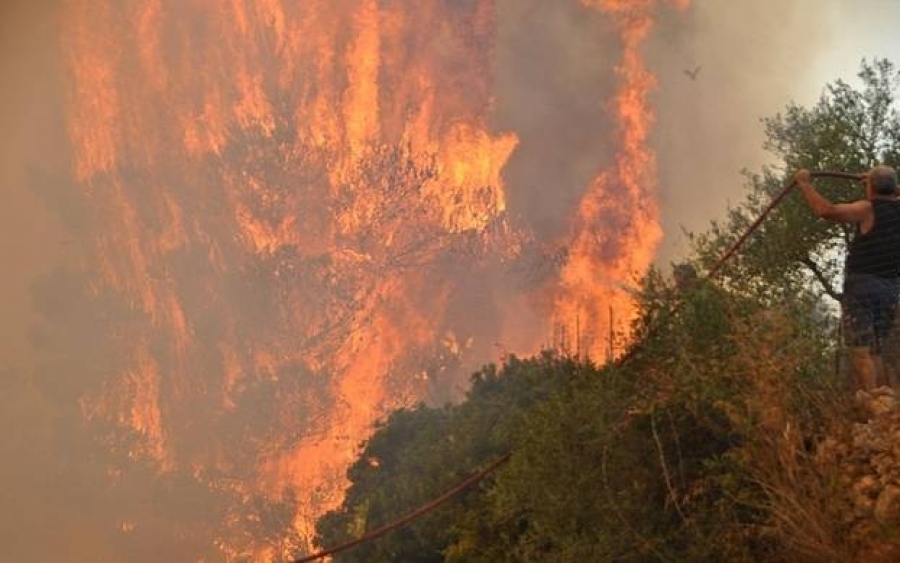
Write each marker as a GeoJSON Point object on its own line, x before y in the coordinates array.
{"type": "Point", "coordinates": [756, 56]}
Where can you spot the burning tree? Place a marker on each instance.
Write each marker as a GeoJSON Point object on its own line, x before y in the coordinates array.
{"type": "Point", "coordinates": [295, 221]}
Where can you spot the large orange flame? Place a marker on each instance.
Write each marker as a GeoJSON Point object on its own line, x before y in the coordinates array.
{"type": "Point", "coordinates": [617, 231]}
{"type": "Point", "coordinates": [284, 197]}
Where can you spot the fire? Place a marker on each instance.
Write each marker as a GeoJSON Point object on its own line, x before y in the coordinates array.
{"type": "Point", "coordinates": [616, 231]}
{"type": "Point", "coordinates": [288, 200]}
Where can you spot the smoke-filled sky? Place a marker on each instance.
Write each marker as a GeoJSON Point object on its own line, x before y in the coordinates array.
{"type": "Point", "coordinates": [553, 63]}
{"type": "Point", "coordinates": [755, 57]}
{"type": "Point", "coordinates": [32, 140]}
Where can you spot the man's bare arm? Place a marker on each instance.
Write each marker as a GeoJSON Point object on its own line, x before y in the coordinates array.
{"type": "Point", "coordinates": [856, 212]}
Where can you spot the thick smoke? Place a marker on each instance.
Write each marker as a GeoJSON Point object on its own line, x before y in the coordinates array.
{"type": "Point", "coordinates": [555, 75]}
{"type": "Point", "coordinates": [751, 58]}
{"type": "Point", "coordinates": [32, 155]}
{"type": "Point", "coordinates": [70, 486]}
{"type": "Point", "coordinates": [555, 70]}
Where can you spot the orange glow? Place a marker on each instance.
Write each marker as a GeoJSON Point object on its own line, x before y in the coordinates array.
{"type": "Point", "coordinates": [361, 96]}
{"type": "Point", "coordinates": [285, 199]}
{"type": "Point", "coordinates": [616, 232]}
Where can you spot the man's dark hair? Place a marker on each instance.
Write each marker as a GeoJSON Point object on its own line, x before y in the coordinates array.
{"type": "Point", "coordinates": [883, 180]}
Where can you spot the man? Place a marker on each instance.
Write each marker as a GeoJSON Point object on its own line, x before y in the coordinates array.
{"type": "Point", "coordinates": [872, 270]}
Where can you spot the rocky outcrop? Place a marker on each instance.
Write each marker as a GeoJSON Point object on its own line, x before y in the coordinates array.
{"type": "Point", "coordinates": [866, 461]}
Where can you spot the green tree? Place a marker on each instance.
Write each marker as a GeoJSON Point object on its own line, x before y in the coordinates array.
{"type": "Point", "coordinates": [417, 454]}
{"type": "Point", "coordinates": [849, 129]}
{"type": "Point", "coordinates": [654, 458]}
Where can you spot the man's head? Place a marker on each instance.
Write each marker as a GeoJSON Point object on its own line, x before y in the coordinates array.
{"type": "Point", "coordinates": [882, 180]}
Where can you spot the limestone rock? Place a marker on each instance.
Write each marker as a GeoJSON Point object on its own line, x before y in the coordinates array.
{"type": "Point", "coordinates": [865, 457]}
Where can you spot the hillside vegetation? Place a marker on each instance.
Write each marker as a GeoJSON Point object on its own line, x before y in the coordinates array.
{"type": "Point", "coordinates": [729, 432]}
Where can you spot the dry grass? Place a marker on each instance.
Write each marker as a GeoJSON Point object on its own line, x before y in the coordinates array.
{"type": "Point", "coordinates": [806, 512]}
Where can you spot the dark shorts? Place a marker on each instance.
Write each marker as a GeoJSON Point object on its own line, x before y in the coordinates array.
{"type": "Point", "coordinates": [870, 304]}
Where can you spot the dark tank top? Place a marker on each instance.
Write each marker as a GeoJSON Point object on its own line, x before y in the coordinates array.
{"type": "Point", "coordinates": [877, 252]}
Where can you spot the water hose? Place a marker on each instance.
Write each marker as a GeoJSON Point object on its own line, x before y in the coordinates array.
{"type": "Point", "coordinates": [772, 205]}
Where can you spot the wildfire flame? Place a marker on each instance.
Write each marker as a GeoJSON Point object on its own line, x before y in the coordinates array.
{"type": "Point", "coordinates": [617, 228]}
{"type": "Point", "coordinates": [282, 196]}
